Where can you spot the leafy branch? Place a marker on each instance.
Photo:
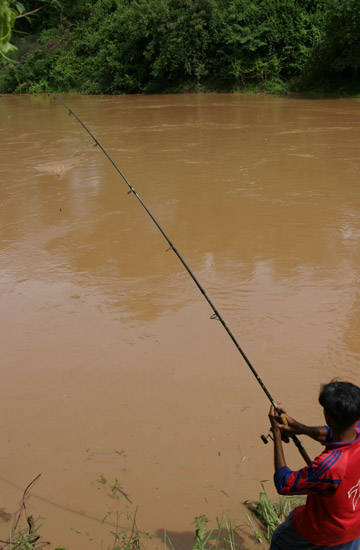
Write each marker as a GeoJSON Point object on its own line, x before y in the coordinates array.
{"type": "Point", "coordinates": [10, 10]}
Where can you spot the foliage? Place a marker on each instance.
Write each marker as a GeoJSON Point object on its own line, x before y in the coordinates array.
{"type": "Point", "coordinates": [261, 41]}
{"type": "Point", "coordinates": [336, 60]}
{"type": "Point", "coordinates": [25, 538]}
{"type": "Point", "coordinates": [28, 541]}
{"type": "Point", "coordinates": [126, 46]}
{"type": "Point", "coordinates": [341, 47]}
{"type": "Point", "coordinates": [269, 515]}
{"type": "Point", "coordinates": [8, 13]}
{"type": "Point", "coordinates": [132, 46]}
{"type": "Point", "coordinates": [10, 10]}
{"type": "Point", "coordinates": [216, 538]}
{"type": "Point", "coordinates": [125, 540]}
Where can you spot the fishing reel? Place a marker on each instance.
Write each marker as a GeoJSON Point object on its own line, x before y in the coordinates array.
{"type": "Point", "coordinates": [265, 438]}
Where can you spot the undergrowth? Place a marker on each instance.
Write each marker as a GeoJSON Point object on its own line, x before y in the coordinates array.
{"type": "Point", "coordinates": [265, 516]}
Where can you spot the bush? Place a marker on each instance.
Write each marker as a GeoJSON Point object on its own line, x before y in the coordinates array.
{"type": "Point", "coordinates": [132, 46]}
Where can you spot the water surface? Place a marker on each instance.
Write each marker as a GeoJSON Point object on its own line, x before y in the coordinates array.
{"type": "Point", "coordinates": [110, 364]}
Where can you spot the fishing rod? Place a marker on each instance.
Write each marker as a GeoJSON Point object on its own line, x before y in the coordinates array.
{"type": "Point", "coordinates": [216, 314]}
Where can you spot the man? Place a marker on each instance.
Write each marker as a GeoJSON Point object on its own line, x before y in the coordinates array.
{"type": "Point", "coordinates": [330, 519]}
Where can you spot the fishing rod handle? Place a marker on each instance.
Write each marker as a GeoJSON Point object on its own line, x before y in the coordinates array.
{"type": "Point", "coordinates": [281, 414]}
{"type": "Point", "coordinates": [283, 420]}
{"type": "Point", "coordinates": [298, 444]}
{"type": "Point", "coordinates": [295, 439]}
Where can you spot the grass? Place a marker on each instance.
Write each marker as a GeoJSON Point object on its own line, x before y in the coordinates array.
{"type": "Point", "coordinates": [27, 540]}
{"type": "Point", "coordinates": [124, 540]}
{"type": "Point", "coordinates": [265, 516]}
{"type": "Point", "coordinates": [221, 537]}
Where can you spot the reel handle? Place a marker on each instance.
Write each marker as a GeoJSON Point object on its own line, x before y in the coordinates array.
{"type": "Point", "coordinates": [264, 438]}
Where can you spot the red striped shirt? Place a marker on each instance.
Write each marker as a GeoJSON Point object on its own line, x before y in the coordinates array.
{"type": "Point", "coordinates": [331, 514]}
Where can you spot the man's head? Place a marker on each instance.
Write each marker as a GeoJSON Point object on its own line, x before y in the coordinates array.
{"type": "Point", "coordinates": [341, 402]}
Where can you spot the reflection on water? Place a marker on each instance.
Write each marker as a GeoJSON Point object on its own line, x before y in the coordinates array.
{"type": "Point", "coordinates": [260, 196]}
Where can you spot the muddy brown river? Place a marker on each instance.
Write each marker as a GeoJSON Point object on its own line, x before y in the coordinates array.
{"type": "Point", "coordinates": [116, 385]}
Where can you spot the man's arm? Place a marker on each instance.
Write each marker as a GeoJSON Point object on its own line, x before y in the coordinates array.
{"type": "Point", "coordinates": [324, 473]}
{"type": "Point", "coordinates": [279, 457]}
{"type": "Point", "coordinates": [282, 472]}
{"type": "Point", "coordinates": [319, 433]}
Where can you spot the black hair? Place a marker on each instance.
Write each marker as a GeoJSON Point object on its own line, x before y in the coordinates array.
{"type": "Point", "coordinates": [341, 401]}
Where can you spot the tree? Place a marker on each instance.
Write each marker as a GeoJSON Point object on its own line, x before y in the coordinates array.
{"type": "Point", "coordinates": [10, 10]}
{"type": "Point", "coordinates": [342, 35]}
{"type": "Point", "coordinates": [8, 13]}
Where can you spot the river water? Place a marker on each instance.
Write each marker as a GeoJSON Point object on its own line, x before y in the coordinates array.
{"type": "Point", "coordinates": [113, 375]}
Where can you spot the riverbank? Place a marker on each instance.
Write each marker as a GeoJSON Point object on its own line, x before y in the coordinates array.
{"type": "Point", "coordinates": [153, 46]}
{"type": "Point", "coordinates": [263, 517]}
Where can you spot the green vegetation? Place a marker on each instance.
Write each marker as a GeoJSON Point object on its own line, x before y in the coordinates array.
{"type": "Point", "coordinates": [7, 17]}
{"type": "Point", "coordinates": [10, 10]}
{"type": "Point", "coordinates": [21, 537]}
{"type": "Point", "coordinates": [28, 541]}
{"type": "Point", "coordinates": [216, 538]}
{"type": "Point", "coordinates": [148, 46]}
{"type": "Point", "coordinates": [25, 535]}
{"type": "Point", "coordinates": [269, 515]}
{"type": "Point", "coordinates": [265, 517]}
{"type": "Point", "coordinates": [335, 62]}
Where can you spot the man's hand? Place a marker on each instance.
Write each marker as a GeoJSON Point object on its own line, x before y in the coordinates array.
{"type": "Point", "coordinates": [275, 421]}
{"type": "Point", "coordinates": [279, 458]}
{"type": "Point", "coordinates": [293, 427]}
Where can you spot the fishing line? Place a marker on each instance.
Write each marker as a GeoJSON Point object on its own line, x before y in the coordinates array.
{"type": "Point", "coordinates": [216, 314]}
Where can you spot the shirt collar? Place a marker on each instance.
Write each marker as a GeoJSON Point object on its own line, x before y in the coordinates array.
{"type": "Point", "coordinates": [340, 444]}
